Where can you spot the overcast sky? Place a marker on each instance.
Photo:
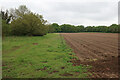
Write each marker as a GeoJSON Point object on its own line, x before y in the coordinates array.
{"type": "Point", "coordinates": [75, 12]}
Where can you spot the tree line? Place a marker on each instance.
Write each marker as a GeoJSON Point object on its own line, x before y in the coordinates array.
{"type": "Point", "coordinates": [67, 28]}
{"type": "Point", "coordinates": [23, 22]}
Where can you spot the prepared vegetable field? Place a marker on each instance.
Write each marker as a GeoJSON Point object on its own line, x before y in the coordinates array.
{"type": "Point", "coordinates": [100, 50]}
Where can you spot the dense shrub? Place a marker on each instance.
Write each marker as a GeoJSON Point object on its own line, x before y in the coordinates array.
{"type": "Point", "coordinates": [6, 31]}
{"type": "Point", "coordinates": [29, 24]}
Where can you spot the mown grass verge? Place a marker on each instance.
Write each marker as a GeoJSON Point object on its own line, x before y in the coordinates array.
{"type": "Point", "coordinates": [39, 57]}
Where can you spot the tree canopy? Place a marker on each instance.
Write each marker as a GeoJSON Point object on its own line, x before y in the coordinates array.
{"type": "Point", "coordinates": [29, 24]}
{"type": "Point", "coordinates": [23, 22]}
{"type": "Point", "coordinates": [67, 28]}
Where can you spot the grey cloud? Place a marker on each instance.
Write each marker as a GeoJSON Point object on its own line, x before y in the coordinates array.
{"type": "Point", "coordinates": [94, 11]}
{"type": "Point", "coordinates": [90, 7]}
{"type": "Point", "coordinates": [88, 12]}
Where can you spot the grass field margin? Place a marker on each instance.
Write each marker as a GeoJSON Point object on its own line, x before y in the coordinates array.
{"type": "Point", "coordinates": [40, 57]}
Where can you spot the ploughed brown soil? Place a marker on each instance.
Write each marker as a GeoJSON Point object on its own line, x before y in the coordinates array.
{"type": "Point", "coordinates": [100, 50]}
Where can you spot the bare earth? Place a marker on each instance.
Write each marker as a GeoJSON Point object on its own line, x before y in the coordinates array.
{"type": "Point", "coordinates": [99, 50]}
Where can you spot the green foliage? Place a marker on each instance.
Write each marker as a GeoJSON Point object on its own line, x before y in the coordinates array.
{"type": "Point", "coordinates": [22, 22]}
{"type": "Point", "coordinates": [80, 28]}
{"type": "Point", "coordinates": [56, 27]}
{"type": "Point", "coordinates": [21, 11]}
{"type": "Point", "coordinates": [6, 31]}
{"type": "Point", "coordinates": [114, 28]}
{"type": "Point", "coordinates": [5, 16]}
{"type": "Point", "coordinates": [110, 29]}
{"type": "Point", "coordinates": [67, 28]}
{"type": "Point", "coordinates": [28, 24]}
{"type": "Point", "coordinates": [96, 29]}
{"type": "Point", "coordinates": [50, 29]}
